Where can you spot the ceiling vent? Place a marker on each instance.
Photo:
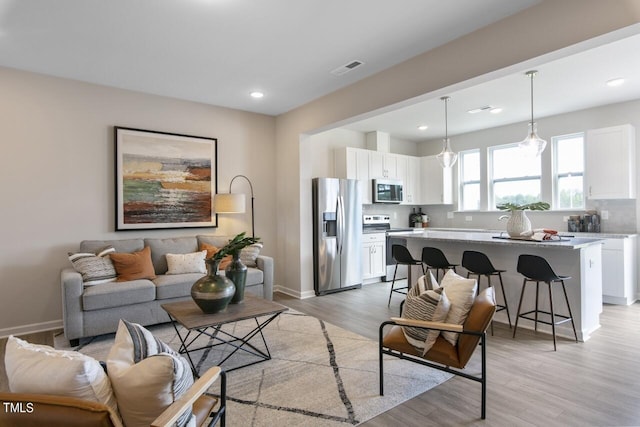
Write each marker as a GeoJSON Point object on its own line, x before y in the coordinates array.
{"type": "Point", "coordinates": [344, 69]}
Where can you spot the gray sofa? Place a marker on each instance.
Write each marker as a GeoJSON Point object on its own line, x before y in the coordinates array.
{"type": "Point", "coordinates": [94, 310]}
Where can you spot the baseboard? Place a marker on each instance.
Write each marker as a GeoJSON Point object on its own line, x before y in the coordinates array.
{"type": "Point", "coordinates": [295, 294]}
{"type": "Point", "coordinates": [33, 328]}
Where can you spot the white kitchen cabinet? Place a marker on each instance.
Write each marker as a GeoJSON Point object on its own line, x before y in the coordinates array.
{"type": "Point", "coordinates": [619, 271]}
{"type": "Point", "coordinates": [610, 163]}
{"type": "Point", "coordinates": [383, 165]}
{"type": "Point", "coordinates": [436, 183]}
{"type": "Point", "coordinates": [353, 163]}
{"type": "Point", "coordinates": [408, 168]}
{"type": "Point", "coordinates": [373, 256]}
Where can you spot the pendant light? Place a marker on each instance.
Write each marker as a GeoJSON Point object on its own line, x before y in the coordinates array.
{"type": "Point", "coordinates": [447, 157]}
{"type": "Point", "coordinates": [533, 145]}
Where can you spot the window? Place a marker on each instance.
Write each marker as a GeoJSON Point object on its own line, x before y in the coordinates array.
{"type": "Point", "coordinates": [514, 177]}
{"type": "Point", "coordinates": [568, 170]}
{"type": "Point", "coordinates": [469, 180]}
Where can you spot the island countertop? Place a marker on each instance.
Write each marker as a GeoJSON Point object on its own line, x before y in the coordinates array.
{"type": "Point", "coordinates": [498, 238]}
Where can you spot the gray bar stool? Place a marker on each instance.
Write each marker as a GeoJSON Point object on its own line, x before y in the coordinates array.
{"type": "Point", "coordinates": [537, 269]}
{"type": "Point", "coordinates": [435, 258]}
{"type": "Point", "coordinates": [479, 264]}
{"type": "Point", "coordinates": [401, 256]}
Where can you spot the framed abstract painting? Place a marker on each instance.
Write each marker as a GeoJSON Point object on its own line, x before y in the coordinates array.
{"type": "Point", "coordinates": [164, 180]}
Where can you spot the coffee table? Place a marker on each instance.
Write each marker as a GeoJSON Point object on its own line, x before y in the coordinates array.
{"type": "Point", "coordinates": [197, 323]}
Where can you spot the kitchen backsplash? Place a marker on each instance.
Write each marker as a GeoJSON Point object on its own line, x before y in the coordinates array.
{"type": "Point", "coordinates": [622, 216]}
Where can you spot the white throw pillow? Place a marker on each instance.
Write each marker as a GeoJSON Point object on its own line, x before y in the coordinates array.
{"type": "Point", "coordinates": [249, 254]}
{"type": "Point", "coordinates": [461, 293]}
{"type": "Point", "coordinates": [147, 375]}
{"type": "Point", "coordinates": [40, 369]}
{"type": "Point", "coordinates": [186, 263]}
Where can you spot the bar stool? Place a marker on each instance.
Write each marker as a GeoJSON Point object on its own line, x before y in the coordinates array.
{"type": "Point", "coordinates": [434, 258]}
{"type": "Point", "coordinates": [401, 256]}
{"type": "Point", "coordinates": [537, 269]}
{"type": "Point", "coordinates": [479, 264]}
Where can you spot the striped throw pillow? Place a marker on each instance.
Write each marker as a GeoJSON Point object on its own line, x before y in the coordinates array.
{"type": "Point", "coordinates": [432, 305]}
{"type": "Point", "coordinates": [95, 268]}
{"type": "Point", "coordinates": [249, 254]}
{"type": "Point", "coordinates": [146, 375]}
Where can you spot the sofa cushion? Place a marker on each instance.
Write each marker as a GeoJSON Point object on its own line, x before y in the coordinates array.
{"type": "Point", "coordinates": [175, 245]}
{"type": "Point", "coordinates": [133, 266]}
{"type": "Point", "coordinates": [116, 294]}
{"type": "Point", "coordinates": [175, 285]}
{"type": "Point", "coordinates": [95, 267]}
{"type": "Point", "coordinates": [186, 263]}
{"type": "Point", "coordinates": [218, 241]}
{"type": "Point", "coordinates": [127, 246]}
{"type": "Point", "coordinates": [40, 369]}
{"type": "Point", "coordinates": [147, 375]}
{"type": "Point", "coordinates": [255, 276]}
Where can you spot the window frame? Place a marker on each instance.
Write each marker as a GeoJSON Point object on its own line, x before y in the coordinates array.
{"type": "Point", "coordinates": [555, 140]}
{"type": "Point", "coordinates": [462, 183]}
{"type": "Point", "coordinates": [490, 174]}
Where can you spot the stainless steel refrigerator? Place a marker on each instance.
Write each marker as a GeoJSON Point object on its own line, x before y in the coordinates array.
{"type": "Point", "coordinates": [337, 234]}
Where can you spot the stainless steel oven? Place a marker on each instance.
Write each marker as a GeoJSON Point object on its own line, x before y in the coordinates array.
{"type": "Point", "coordinates": [378, 223]}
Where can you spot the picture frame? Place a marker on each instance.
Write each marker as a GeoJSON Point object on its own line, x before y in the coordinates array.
{"type": "Point", "coordinates": [164, 180]}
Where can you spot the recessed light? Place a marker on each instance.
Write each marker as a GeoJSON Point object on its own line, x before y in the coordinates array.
{"type": "Point", "coordinates": [423, 127]}
{"type": "Point", "coordinates": [480, 109]}
{"type": "Point", "coordinates": [615, 82]}
{"type": "Point", "coordinates": [496, 110]}
{"type": "Point", "coordinates": [257, 94]}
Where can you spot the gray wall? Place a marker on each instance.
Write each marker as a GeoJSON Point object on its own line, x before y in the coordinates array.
{"type": "Point", "coordinates": [57, 178]}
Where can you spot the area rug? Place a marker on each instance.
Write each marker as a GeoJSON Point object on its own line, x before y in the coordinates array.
{"type": "Point", "coordinates": [319, 374]}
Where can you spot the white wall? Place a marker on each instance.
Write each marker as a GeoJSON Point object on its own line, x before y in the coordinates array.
{"type": "Point", "coordinates": [57, 178]}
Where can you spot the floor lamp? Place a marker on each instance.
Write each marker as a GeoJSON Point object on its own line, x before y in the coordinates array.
{"type": "Point", "coordinates": [235, 203]}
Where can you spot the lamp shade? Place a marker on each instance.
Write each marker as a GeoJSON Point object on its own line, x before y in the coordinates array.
{"type": "Point", "coordinates": [229, 203]}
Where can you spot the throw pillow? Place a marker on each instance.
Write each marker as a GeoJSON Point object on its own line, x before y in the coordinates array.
{"type": "Point", "coordinates": [146, 374]}
{"type": "Point", "coordinates": [424, 304]}
{"type": "Point", "coordinates": [33, 368]}
{"type": "Point", "coordinates": [212, 250]}
{"type": "Point", "coordinates": [134, 266]}
{"type": "Point", "coordinates": [461, 293]}
{"type": "Point", "coordinates": [186, 263]}
{"type": "Point", "coordinates": [249, 254]}
{"type": "Point", "coordinates": [428, 282]}
{"type": "Point", "coordinates": [95, 267]}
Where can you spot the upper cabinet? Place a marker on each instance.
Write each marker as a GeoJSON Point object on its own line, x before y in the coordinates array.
{"type": "Point", "coordinates": [353, 163]}
{"type": "Point", "coordinates": [610, 163]}
{"type": "Point", "coordinates": [436, 182]}
{"type": "Point", "coordinates": [425, 182]}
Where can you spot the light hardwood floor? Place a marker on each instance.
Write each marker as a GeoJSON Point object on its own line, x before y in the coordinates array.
{"type": "Point", "coordinates": [596, 383]}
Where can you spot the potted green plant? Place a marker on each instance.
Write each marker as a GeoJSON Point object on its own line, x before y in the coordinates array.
{"type": "Point", "coordinates": [519, 225]}
{"type": "Point", "coordinates": [214, 292]}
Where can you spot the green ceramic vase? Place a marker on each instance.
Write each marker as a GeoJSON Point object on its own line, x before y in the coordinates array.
{"type": "Point", "coordinates": [236, 271]}
{"type": "Point", "coordinates": [213, 292]}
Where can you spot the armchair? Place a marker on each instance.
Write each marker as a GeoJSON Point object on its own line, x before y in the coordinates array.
{"type": "Point", "coordinates": [444, 356]}
{"type": "Point", "coordinates": [31, 410]}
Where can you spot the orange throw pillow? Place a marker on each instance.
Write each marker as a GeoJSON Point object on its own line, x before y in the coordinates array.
{"type": "Point", "coordinates": [212, 250]}
{"type": "Point", "coordinates": [133, 266]}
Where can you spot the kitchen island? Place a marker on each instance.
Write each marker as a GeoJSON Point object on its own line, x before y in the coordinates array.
{"type": "Point", "coordinates": [580, 258]}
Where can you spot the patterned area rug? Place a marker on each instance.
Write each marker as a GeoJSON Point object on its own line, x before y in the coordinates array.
{"type": "Point", "coordinates": [319, 374]}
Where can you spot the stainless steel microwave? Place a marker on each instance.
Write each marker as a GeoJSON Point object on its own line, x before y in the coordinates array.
{"type": "Point", "coordinates": [387, 191]}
